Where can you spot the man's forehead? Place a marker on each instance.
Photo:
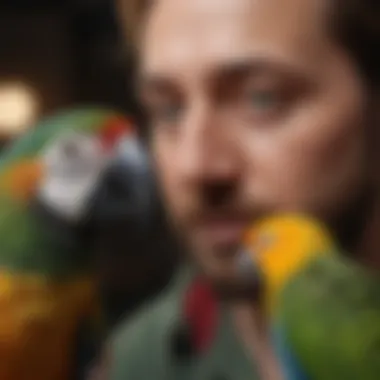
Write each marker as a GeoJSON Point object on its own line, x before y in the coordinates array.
{"type": "Point", "coordinates": [190, 35]}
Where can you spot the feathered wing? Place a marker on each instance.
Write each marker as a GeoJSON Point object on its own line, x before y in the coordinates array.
{"type": "Point", "coordinates": [331, 313]}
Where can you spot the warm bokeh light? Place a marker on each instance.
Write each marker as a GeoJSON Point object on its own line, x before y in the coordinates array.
{"type": "Point", "coordinates": [18, 108]}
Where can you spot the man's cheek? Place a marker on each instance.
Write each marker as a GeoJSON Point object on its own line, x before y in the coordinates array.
{"type": "Point", "coordinates": [281, 181]}
{"type": "Point", "coordinates": [163, 174]}
{"type": "Point", "coordinates": [174, 196]}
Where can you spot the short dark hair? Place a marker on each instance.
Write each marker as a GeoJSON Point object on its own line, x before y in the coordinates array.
{"type": "Point", "coordinates": [355, 23]}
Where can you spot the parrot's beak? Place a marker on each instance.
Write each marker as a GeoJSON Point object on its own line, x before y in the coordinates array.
{"type": "Point", "coordinates": [125, 193]}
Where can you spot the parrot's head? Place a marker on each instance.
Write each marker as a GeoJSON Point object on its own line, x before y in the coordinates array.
{"type": "Point", "coordinates": [106, 168]}
{"type": "Point", "coordinates": [83, 165]}
{"type": "Point", "coordinates": [65, 144]}
{"type": "Point", "coordinates": [277, 248]}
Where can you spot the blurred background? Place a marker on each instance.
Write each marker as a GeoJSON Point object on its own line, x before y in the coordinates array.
{"type": "Point", "coordinates": [56, 54]}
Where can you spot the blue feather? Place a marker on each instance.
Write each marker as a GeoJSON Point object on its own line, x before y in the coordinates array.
{"type": "Point", "coordinates": [291, 368]}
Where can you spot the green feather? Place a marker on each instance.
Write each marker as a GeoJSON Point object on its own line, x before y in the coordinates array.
{"type": "Point", "coordinates": [331, 315]}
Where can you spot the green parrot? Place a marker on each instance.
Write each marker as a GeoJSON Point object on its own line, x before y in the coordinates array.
{"type": "Point", "coordinates": [68, 175]}
{"type": "Point", "coordinates": [323, 308]}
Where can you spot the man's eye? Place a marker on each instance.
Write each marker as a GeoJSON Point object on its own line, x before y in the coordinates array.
{"type": "Point", "coordinates": [166, 113]}
{"type": "Point", "coordinates": [263, 101]}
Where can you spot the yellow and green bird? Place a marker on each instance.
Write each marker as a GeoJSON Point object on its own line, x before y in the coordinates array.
{"type": "Point", "coordinates": [67, 176]}
{"type": "Point", "coordinates": [323, 308]}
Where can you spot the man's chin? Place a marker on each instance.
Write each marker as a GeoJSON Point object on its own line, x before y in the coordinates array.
{"type": "Point", "coordinates": [238, 290]}
{"type": "Point", "coordinates": [231, 287]}
{"type": "Point", "coordinates": [220, 267]}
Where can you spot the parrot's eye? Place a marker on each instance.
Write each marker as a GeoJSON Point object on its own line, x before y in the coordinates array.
{"type": "Point", "coordinates": [70, 149]}
{"type": "Point", "coordinates": [73, 155]}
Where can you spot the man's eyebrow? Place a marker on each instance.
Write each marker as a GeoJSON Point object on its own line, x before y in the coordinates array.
{"type": "Point", "coordinates": [241, 68]}
{"type": "Point", "coordinates": [233, 69]}
{"type": "Point", "coordinates": [154, 82]}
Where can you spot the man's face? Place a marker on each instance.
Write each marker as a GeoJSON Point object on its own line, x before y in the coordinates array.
{"type": "Point", "coordinates": [254, 109]}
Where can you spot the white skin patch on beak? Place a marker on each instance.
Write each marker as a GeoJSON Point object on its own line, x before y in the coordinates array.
{"type": "Point", "coordinates": [74, 165]}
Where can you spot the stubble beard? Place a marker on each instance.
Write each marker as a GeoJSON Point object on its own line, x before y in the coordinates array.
{"type": "Point", "coordinates": [223, 277]}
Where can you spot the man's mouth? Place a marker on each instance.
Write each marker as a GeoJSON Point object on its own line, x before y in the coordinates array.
{"type": "Point", "coordinates": [222, 231]}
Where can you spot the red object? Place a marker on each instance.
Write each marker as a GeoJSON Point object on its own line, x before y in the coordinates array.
{"type": "Point", "coordinates": [113, 131]}
{"type": "Point", "coordinates": [201, 312]}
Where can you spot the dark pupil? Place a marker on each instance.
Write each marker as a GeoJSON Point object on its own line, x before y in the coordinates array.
{"type": "Point", "coordinates": [262, 99]}
{"type": "Point", "coordinates": [171, 112]}
{"type": "Point", "coordinates": [70, 149]}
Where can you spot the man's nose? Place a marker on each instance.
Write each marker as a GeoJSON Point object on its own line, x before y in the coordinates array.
{"type": "Point", "coordinates": [207, 150]}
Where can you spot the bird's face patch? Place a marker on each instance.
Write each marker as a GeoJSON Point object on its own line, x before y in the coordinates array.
{"type": "Point", "coordinates": [73, 155]}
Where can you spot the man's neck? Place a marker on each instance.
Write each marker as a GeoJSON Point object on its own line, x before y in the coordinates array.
{"type": "Point", "coordinates": [252, 328]}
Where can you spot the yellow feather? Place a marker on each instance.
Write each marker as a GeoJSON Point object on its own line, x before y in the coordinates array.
{"type": "Point", "coordinates": [282, 245]}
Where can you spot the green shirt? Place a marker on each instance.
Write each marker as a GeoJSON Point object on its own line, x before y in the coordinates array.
{"type": "Point", "coordinates": [143, 348]}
